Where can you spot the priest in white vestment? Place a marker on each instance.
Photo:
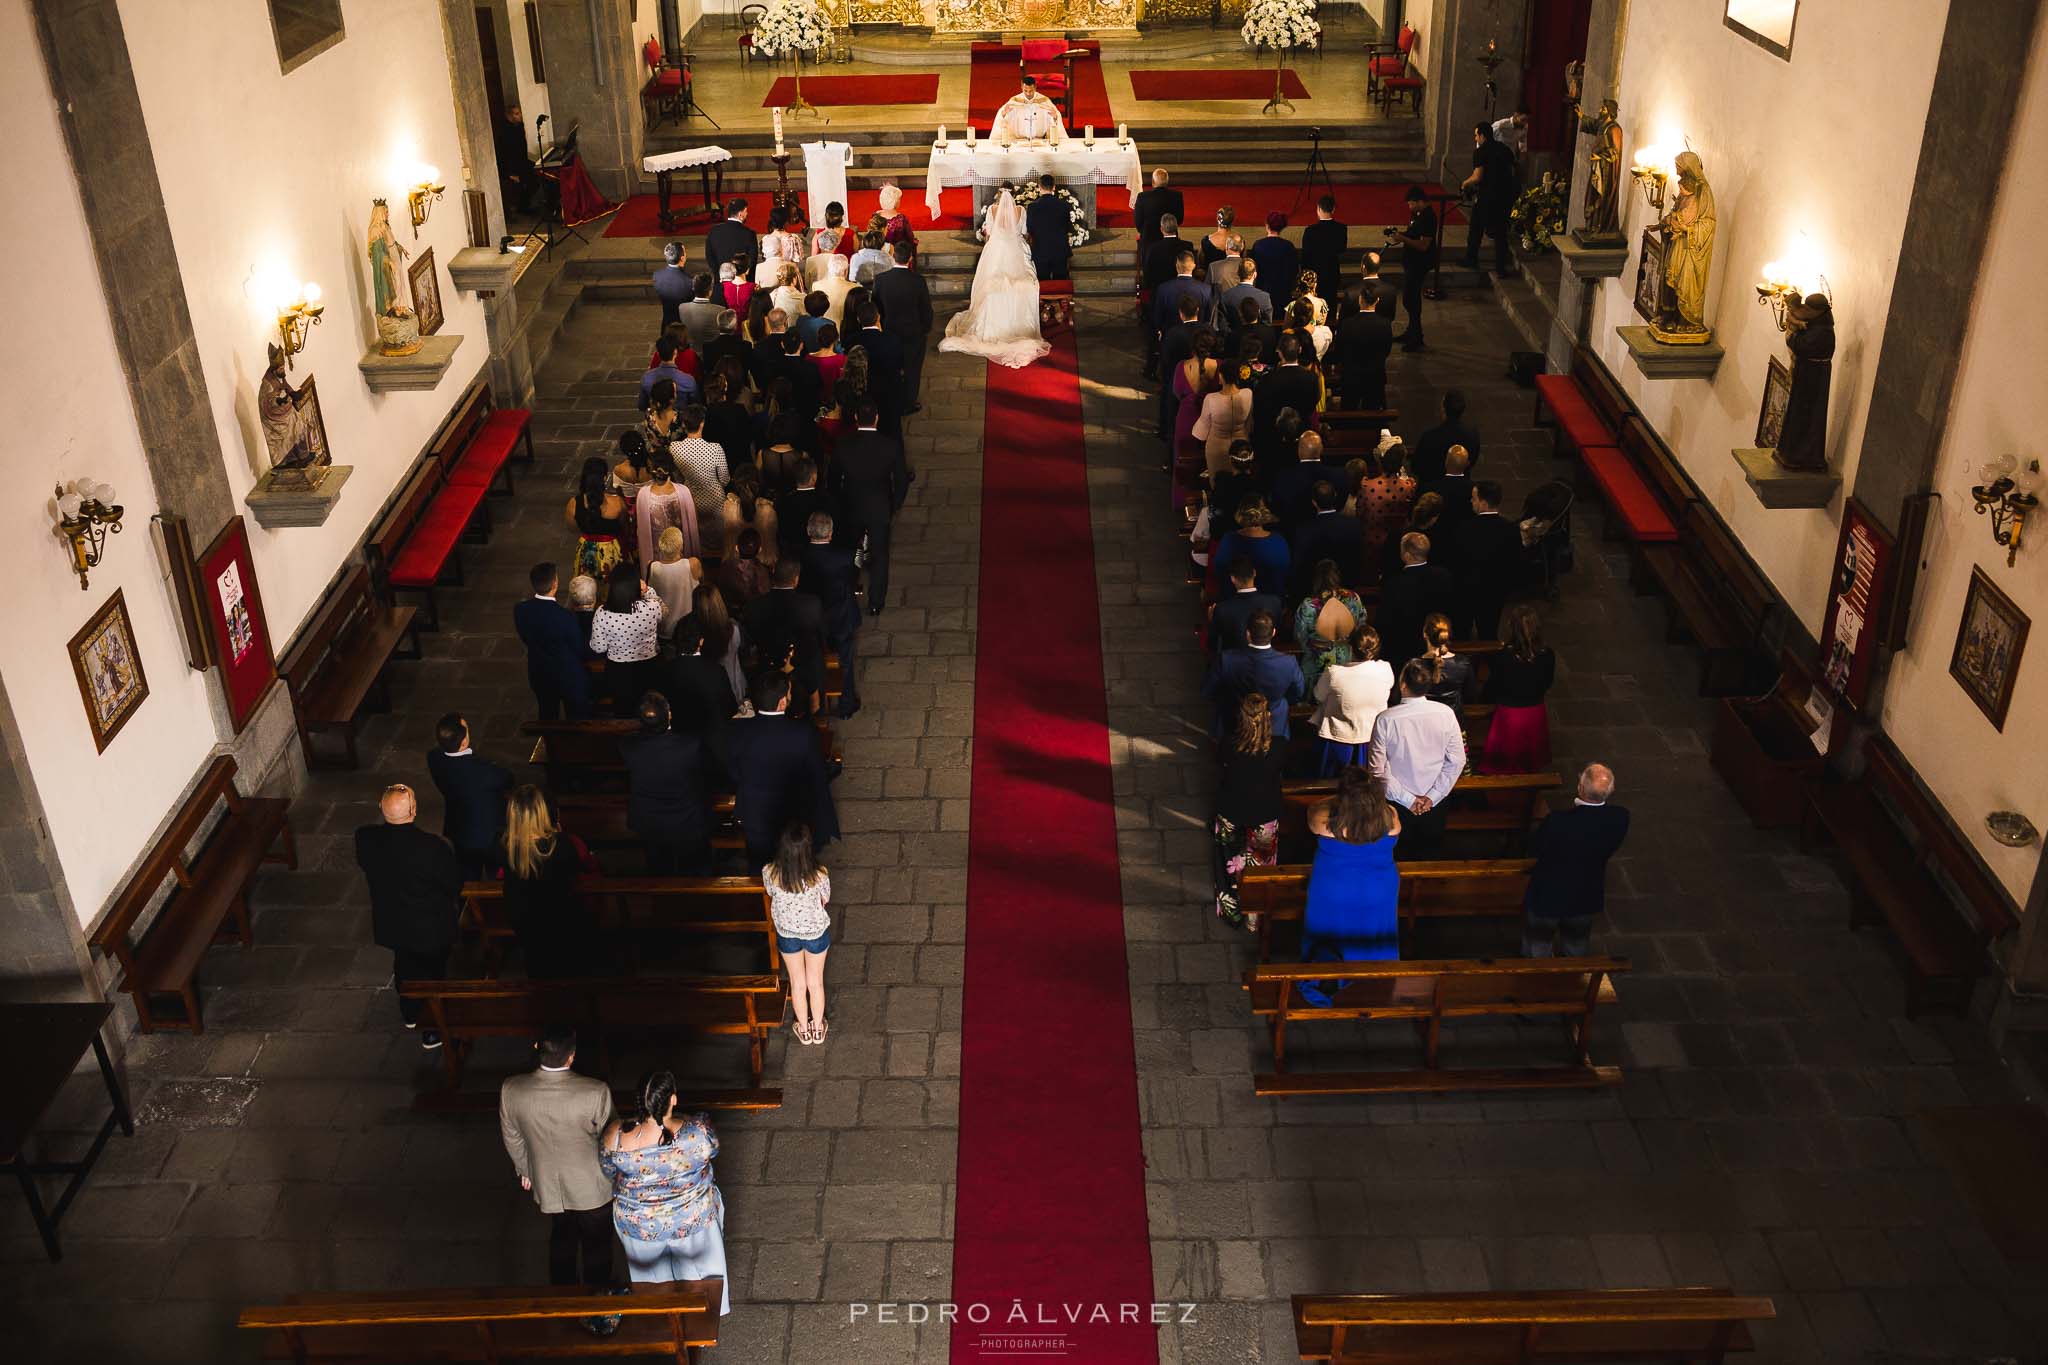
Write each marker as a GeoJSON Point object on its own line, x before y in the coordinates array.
{"type": "Point", "coordinates": [1028, 116]}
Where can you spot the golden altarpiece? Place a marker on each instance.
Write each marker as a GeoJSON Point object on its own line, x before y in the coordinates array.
{"type": "Point", "coordinates": [978, 17]}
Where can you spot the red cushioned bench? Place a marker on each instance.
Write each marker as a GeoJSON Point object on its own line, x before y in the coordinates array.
{"type": "Point", "coordinates": [1630, 500]}
{"type": "Point", "coordinates": [418, 542]}
{"type": "Point", "coordinates": [477, 445]}
{"type": "Point", "coordinates": [1587, 406]}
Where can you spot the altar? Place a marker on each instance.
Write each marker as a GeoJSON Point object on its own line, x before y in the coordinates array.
{"type": "Point", "coordinates": [988, 166]}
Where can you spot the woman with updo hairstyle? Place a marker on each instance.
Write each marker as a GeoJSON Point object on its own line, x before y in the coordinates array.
{"type": "Point", "coordinates": [1517, 682]}
{"type": "Point", "coordinates": [1349, 698]}
{"type": "Point", "coordinates": [1455, 677]}
{"type": "Point", "coordinates": [665, 1202]}
{"type": "Point", "coordinates": [1216, 244]}
{"type": "Point", "coordinates": [595, 511]}
{"type": "Point", "coordinates": [1225, 416]}
{"type": "Point", "coordinates": [1386, 497]}
{"type": "Point", "coordinates": [747, 507]}
{"type": "Point", "coordinates": [1246, 831]}
{"type": "Point", "coordinates": [1325, 622]}
{"type": "Point", "coordinates": [1354, 889]}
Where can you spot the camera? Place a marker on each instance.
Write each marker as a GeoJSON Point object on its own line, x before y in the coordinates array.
{"type": "Point", "coordinates": [1393, 234]}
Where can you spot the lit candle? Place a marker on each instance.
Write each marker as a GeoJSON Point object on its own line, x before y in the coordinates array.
{"type": "Point", "coordinates": [777, 113]}
{"type": "Point", "coordinates": [1088, 134]}
{"type": "Point", "coordinates": [1123, 134]}
{"type": "Point", "coordinates": [942, 135]}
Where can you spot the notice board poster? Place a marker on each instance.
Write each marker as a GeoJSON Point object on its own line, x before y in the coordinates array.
{"type": "Point", "coordinates": [234, 611]}
{"type": "Point", "coordinates": [1856, 598]}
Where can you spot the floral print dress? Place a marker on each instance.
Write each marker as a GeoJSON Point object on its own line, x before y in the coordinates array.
{"type": "Point", "coordinates": [665, 1192]}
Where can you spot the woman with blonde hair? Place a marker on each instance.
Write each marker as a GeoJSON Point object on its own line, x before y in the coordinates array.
{"type": "Point", "coordinates": [799, 888]}
{"type": "Point", "coordinates": [788, 291]}
{"type": "Point", "coordinates": [556, 936]}
{"type": "Point", "coordinates": [1246, 832]}
{"type": "Point", "coordinates": [673, 576]}
{"type": "Point", "coordinates": [1349, 698]}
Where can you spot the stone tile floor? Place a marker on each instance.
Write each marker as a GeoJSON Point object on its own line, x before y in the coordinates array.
{"type": "Point", "coordinates": [1765, 1137]}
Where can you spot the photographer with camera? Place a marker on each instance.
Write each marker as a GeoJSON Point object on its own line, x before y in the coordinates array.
{"type": "Point", "coordinates": [1418, 248]}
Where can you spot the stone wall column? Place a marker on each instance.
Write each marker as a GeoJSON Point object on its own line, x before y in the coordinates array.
{"type": "Point", "coordinates": [42, 950]}
{"type": "Point", "coordinates": [1457, 87]}
{"type": "Point", "coordinates": [593, 86]}
{"type": "Point", "coordinates": [1606, 34]}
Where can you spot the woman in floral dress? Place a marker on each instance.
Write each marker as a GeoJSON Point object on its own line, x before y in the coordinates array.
{"type": "Point", "coordinates": [665, 1206]}
{"type": "Point", "coordinates": [1325, 621]}
{"type": "Point", "coordinates": [1247, 828]}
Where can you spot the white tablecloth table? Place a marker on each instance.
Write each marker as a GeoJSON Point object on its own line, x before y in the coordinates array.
{"type": "Point", "coordinates": [986, 163]}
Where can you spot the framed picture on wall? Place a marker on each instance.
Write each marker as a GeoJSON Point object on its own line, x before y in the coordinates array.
{"type": "Point", "coordinates": [1770, 420]}
{"type": "Point", "coordinates": [1989, 642]}
{"type": "Point", "coordinates": [1856, 605]}
{"type": "Point", "coordinates": [235, 620]}
{"type": "Point", "coordinates": [426, 291]}
{"type": "Point", "coordinates": [109, 670]}
{"type": "Point", "coordinates": [1767, 23]}
{"type": "Point", "coordinates": [1650, 276]}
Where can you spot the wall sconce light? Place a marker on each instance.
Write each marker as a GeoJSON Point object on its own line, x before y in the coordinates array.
{"type": "Point", "coordinates": [86, 511]}
{"type": "Point", "coordinates": [1652, 172]}
{"type": "Point", "coordinates": [2007, 494]}
{"type": "Point", "coordinates": [1779, 289]}
{"type": "Point", "coordinates": [420, 198]}
{"type": "Point", "coordinates": [297, 317]}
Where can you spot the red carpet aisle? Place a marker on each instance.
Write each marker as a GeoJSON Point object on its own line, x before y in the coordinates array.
{"type": "Point", "coordinates": [1051, 1202]}
{"type": "Point", "coordinates": [1199, 84]}
{"type": "Point", "coordinates": [909, 88]}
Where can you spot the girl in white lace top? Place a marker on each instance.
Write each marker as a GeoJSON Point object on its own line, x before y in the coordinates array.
{"type": "Point", "coordinates": [799, 887]}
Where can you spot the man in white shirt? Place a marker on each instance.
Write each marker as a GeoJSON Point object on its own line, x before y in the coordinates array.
{"type": "Point", "coordinates": [1513, 131]}
{"type": "Point", "coordinates": [1418, 754]}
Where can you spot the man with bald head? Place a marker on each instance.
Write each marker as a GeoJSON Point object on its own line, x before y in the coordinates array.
{"type": "Point", "coordinates": [415, 896]}
{"type": "Point", "coordinates": [1568, 886]}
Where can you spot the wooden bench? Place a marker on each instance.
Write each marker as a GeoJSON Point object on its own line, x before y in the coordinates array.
{"type": "Point", "coordinates": [1555, 1327]}
{"type": "Point", "coordinates": [1446, 889]}
{"type": "Point", "coordinates": [1642, 484]}
{"type": "Point", "coordinates": [599, 820]}
{"type": "Point", "coordinates": [337, 662]}
{"type": "Point", "coordinates": [1481, 802]}
{"type": "Point", "coordinates": [639, 909]}
{"type": "Point", "coordinates": [677, 1319]}
{"type": "Point", "coordinates": [1586, 406]}
{"type": "Point", "coordinates": [1905, 865]}
{"type": "Point", "coordinates": [478, 443]}
{"type": "Point", "coordinates": [1425, 994]}
{"type": "Point", "coordinates": [209, 895]}
{"type": "Point", "coordinates": [603, 1010]}
{"type": "Point", "coordinates": [1719, 600]}
{"type": "Point", "coordinates": [417, 543]}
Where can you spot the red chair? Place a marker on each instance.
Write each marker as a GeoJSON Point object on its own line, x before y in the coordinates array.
{"type": "Point", "coordinates": [668, 83]}
{"type": "Point", "coordinates": [1390, 73]}
{"type": "Point", "coordinates": [1051, 61]}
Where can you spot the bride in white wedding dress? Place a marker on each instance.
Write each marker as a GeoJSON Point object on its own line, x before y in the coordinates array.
{"type": "Point", "coordinates": [1001, 321]}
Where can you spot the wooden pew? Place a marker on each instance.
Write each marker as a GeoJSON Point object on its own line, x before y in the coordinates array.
{"type": "Point", "coordinates": [209, 895]}
{"type": "Point", "coordinates": [599, 820]}
{"type": "Point", "coordinates": [678, 1319]}
{"type": "Point", "coordinates": [603, 1010]}
{"type": "Point", "coordinates": [1561, 1326]}
{"type": "Point", "coordinates": [337, 662]}
{"type": "Point", "coordinates": [1473, 888]}
{"type": "Point", "coordinates": [476, 444]}
{"type": "Point", "coordinates": [1589, 408]}
{"type": "Point", "coordinates": [584, 755]}
{"type": "Point", "coordinates": [1425, 994]}
{"type": "Point", "coordinates": [638, 909]}
{"type": "Point", "coordinates": [1899, 853]}
{"type": "Point", "coordinates": [1503, 802]}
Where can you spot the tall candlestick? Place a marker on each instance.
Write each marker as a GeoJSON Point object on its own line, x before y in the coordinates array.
{"type": "Point", "coordinates": [777, 113]}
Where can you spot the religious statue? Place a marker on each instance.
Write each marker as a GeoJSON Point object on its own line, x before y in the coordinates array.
{"type": "Point", "coordinates": [1603, 177]}
{"type": "Point", "coordinates": [1028, 116]}
{"type": "Point", "coordinates": [1810, 337]}
{"type": "Point", "coordinates": [398, 331]}
{"type": "Point", "coordinates": [294, 437]}
{"type": "Point", "coordinates": [1688, 254]}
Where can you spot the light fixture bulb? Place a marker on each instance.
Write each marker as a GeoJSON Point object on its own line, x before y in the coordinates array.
{"type": "Point", "coordinates": [430, 175]}
{"type": "Point", "coordinates": [309, 292]}
{"type": "Point", "coordinates": [68, 505]}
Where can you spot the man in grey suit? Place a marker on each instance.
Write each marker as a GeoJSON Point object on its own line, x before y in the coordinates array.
{"type": "Point", "coordinates": [550, 1119]}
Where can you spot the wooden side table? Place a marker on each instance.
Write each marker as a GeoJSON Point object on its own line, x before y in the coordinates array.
{"type": "Point", "coordinates": [45, 1045]}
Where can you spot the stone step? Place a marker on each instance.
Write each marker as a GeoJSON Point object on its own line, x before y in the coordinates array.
{"type": "Point", "coordinates": [845, 127]}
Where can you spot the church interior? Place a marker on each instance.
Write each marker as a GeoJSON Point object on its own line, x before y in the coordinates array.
{"type": "Point", "coordinates": [1168, 933]}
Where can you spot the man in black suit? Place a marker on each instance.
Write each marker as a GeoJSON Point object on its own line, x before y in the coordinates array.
{"type": "Point", "coordinates": [874, 479]}
{"type": "Point", "coordinates": [905, 301]}
{"type": "Point", "coordinates": [782, 620]}
{"type": "Point", "coordinates": [1493, 174]}
{"type": "Point", "coordinates": [1156, 257]}
{"type": "Point", "coordinates": [1156, 203]}
{"type": "Point", "coordinates": [1489, 557]}
{"type": "Point", "coordinates": [1292, 494]}
{"type": "Point", "coordinates": [1289, 385]}
{"type": "Point", "coordinates": [887, 360]}
{"type": "Point", "coordinates": [728, 344]}
{"type": "Point", "coordinates": [793, 509]}
{"type": "Point", "coordinates": [764, 357]}
{"type": "Point", "coordinates": [1426, 456]}
{"type": "Point", "coordinates": [829, 574]}
{"type": "Point", "coordinates": [1568, 885]}
{"type": "Point", "coordinates": [1322, 248]}
{"type": "Point", "coordinates": [1454, 486]}
{"type": "Point", "coordinates": [782, 776]}
{"type": "Point", "coordinates": [1234, 610]}
{"type": "Point", "coordinates": [698, 691]}
{"type": "Point", "coordinates": [1418, 250]}
{"type": "Point", "coordinates": [1046, 222]}
{"type": "Point", "coordinates": [668, 802]}
{"type": "Point", "coordinates": [555, 649]}
{"type": "Point", "coordinates": [415, 897]}
{"type": "Point", "coordinates": [1362, 342]}
{"type": "Point", "coordinates": [1328, 534]}
{"type": "Point", "coordinates": [472, 796]}
{"type": "Point", "coordinates": [732, 237]}
{"type": "Point", "coordinates": [1176, 344]}
{"type": "Point", "coordinates": [1419, 589]}
{"type": "Point", "coordinates": [806, 382]}
{"type": "Point", "coordinates": [673, 286]}
{"type": "Point", "coordinates": [1258, 667]}
{"type": "Point", "coordinates": [1169, 297]}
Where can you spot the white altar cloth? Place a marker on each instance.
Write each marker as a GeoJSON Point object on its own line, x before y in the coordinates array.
{"type": "Point", "coordinates": [986, 163]}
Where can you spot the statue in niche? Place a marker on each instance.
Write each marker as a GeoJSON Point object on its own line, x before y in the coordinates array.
{"type": "Point", "coordinates": [398, 330]}
{"type": "Point", "coordinates": [294, 437]}
{"type": "Point", "coordinates": [1688, 256]}
{"type": "Point", "coordinates": [1810, 337]}
{"type": "Point", "coordinates": [1603, 176]}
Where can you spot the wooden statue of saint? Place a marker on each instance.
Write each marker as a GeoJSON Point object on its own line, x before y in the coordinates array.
{"type": "Point", "coordinates": [1810, 337]}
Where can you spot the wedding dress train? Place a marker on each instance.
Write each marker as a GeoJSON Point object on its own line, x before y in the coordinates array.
{"type": "Point", "coordinates": [1001, 321]}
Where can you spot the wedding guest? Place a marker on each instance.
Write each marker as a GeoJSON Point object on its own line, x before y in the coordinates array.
{"type": "Point", "coordinates": [472, 795]}
{"type": "Point", "coordinates": [830, 575]}
{"type": "Point", "coordinates": [549, 1119]}
{"type": "Point", "coordinates": [1325, 622]}
{"type": "Point", "coordinates": [1257, 668]}
{"type": "Point", "coordinates": [583, 594]}
{"type": "Point", "coordinates": [1277, 259]}
{"type": "Point", "coordinates": [1322, 244]}
{"type": "Point", "coordinates": [673, 286]}
{"type": "Point", "coordinates": [1225, 273]}
{"type": "Point", "coordinates": [662, 506]}
{"type": "Point", "coordinates": [1246, 288]}
{"type": "Point", "coordinates": [727, 423]}
{"type": "Point", "coordinates": [781, 776]}
{"type": "Point", "coordinates": [1157, 259]}
{"type": "Point", "coordinates": [686, 355]}
{"type": "Point", "coordinates": [1518, 681]}
{"type": "Point", "coordinates": [557, 937]}
{"type": "Point", "coordinates": [668, 802]}
{"type": "Point", "coordinates": [724, 642]}
{"type": "Point", "coordinates": [1455, 679]}
{"type": "Point", "coordinates": [1246, 829]}
{"type": "Point", "coordinates": [596, 512]}
{"type": "Point", "coordinates": [704, 470]}
{"type": "Point", "coordinates": [898, 228]}
{"type": "Point", "coordinates": [1426, 461]}
{"type": "Point", "coordinates": [665, 355]}
{"type": "Point", "coordinates": [1254, 539]}
{"type": "Point", "coordinates": [415, 883]}
{"type": "Point", "coordinates": [731, 238]}
{"type": "Point", "coordinates": [741, 575]}
{"type": "Point", "coordinates": [835, 237]}
{"type": "Point", "coordinates": [665, 1208]}
{"type": "Point", "coordinates": [625, 633]}
{"type": "Point", "coordinates": [904, 298]}
{"type": "Point", "coordinates": [728, 352]}
{"type": "Point", "coordinates": [1417, 755]}
{"type": "Point", "coordinates": [554, 648]}
{"type": "Point", "coordinates": [1192, 376]}
{"type": "Point", "coordinates": [780, 246]}
{"type": "Point", "coordinates": [799, 888]}
{"type": "Point", "coordinates": [836, 289]}
{"type": "Point", "coordinates": [1363, 339]}
{"type": "Point", "coordinates": [1489, 562]}
{"type": "Point", "coordinates": [1385, 496]}
{"type": "Point", "coordinates": [1354, 889]}
{"type": "Point", "coordinates": [873, 258]}
{"type": "Point", "coordinates": [673, 576]}
{"type": "Point", "coordinates": [1225, 417]}
{"type": "Point", "coordinates": [1216, 245]}
{"type": "Point", "coordinates": [1158, 202]}
{"type": "Point", "coordinates": [1327, 535]}
{"type": "Point", "coordinates": [700, 314]}
{"type": "Point", "coordinates": [1568, 885]}
{"type": "Point", "coordinates": [1409, 595]}
{"type": "Point", "coordinates": [1352, 694]}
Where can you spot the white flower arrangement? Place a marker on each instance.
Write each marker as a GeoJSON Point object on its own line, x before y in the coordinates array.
{"type": "Point", "coordinates": [791, 26]}
{"type": "Point", "coordinates": [1077, 217]}
{"type": "Point", "coordinates": [1281, 24]}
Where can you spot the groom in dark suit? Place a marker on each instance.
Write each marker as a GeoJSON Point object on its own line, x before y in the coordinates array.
{"type": "Point", "coordinates": [1045, 221]}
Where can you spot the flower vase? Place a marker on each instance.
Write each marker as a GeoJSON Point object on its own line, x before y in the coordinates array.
{"type": "Point", "coordinates": [1279, 104]}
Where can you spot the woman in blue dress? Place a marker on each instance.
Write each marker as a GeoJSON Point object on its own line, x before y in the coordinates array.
{"type": "Point", "coordinates": [1353, 887]}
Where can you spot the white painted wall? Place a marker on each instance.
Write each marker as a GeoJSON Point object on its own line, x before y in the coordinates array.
{"type": "Point", "coordinates": [1824, 145]}
{"type": "Point", "coordinates": [1968, 764]}
{"type": "Point", "coordinates": [262, 173]}
{"type": "Point", "coordinates": [533, 96]}
{"type": "Point", "coordinates": [69, 416]}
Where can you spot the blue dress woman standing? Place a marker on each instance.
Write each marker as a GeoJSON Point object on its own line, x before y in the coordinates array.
{"type": "Point", "coordinates": [1354, 889]}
